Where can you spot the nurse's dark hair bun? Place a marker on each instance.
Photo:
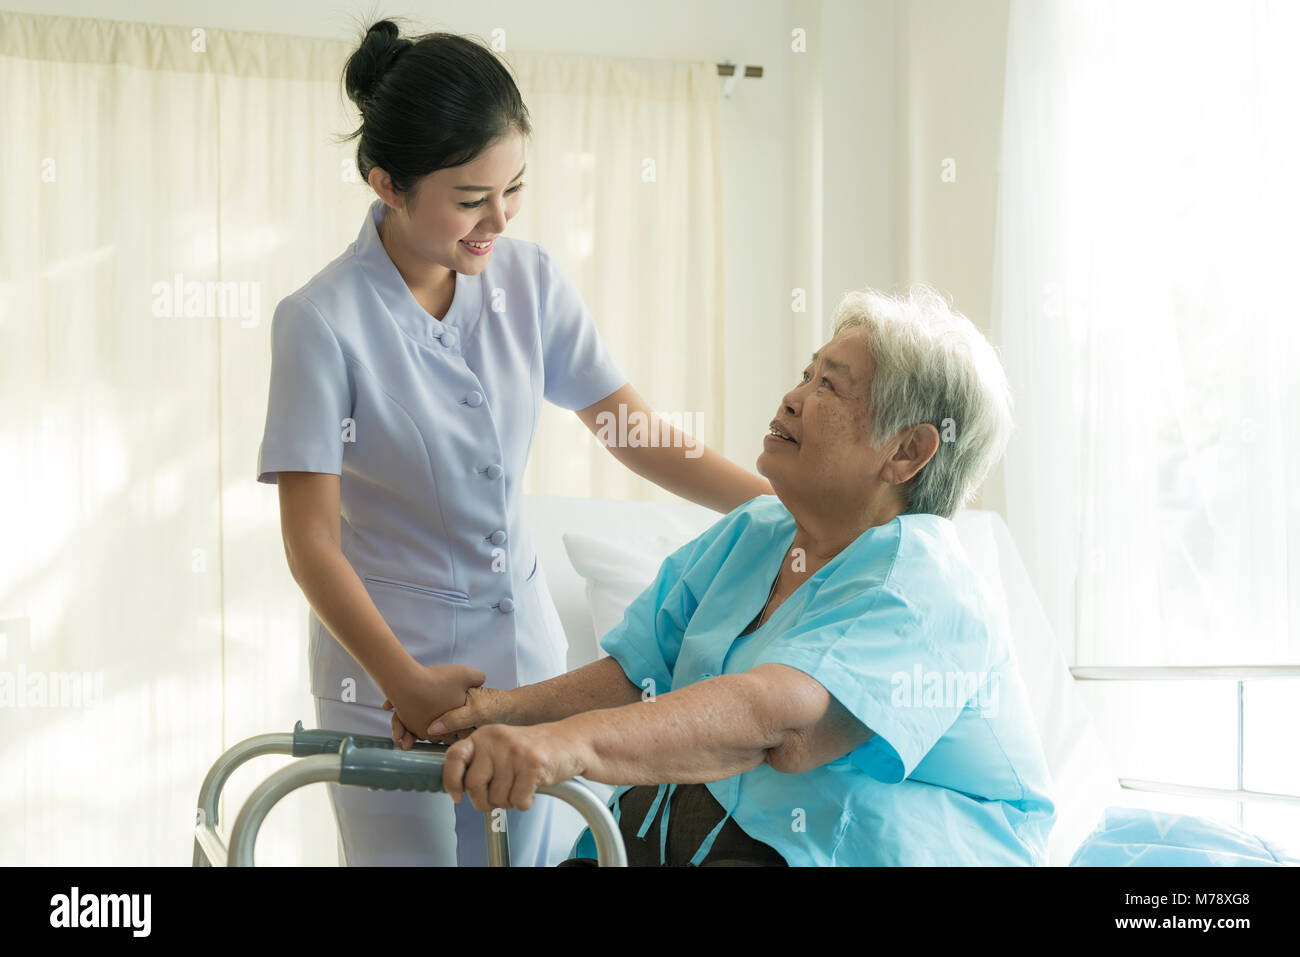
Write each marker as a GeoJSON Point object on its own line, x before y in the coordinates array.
{"type": "Point", "coordinates": [380, 47]}
{"type": "Point", "coordinates": [427, 103]}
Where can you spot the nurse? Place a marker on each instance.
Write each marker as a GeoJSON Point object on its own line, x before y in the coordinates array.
{"type": "Point", "coordinates": [406, 384]}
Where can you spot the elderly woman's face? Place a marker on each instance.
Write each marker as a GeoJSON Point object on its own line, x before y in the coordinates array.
{"type": "Point", "coordinates": [828, 452]}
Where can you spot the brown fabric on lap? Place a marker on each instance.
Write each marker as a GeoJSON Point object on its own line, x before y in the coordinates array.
{"type": "Point", "coordinates": [694, 814]}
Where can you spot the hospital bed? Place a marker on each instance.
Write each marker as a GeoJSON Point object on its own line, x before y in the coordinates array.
{"type": "Point", "coordinates": [597, 555]}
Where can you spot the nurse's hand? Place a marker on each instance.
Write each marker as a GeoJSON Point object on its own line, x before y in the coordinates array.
{"type": "Point", "coordinates": [502, 765]}
{"type": "Point", "coordinates": [405, 739]}
{"type": "Point", "coordinates": [427, 692]}
{"type": "Point", "coordinates": [482, 706]}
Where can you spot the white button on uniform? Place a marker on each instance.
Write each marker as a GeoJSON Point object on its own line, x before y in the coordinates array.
{"type": "Point", "coordinates": [498, 537]}
{"type": "Point", "coordinates": [506, 605]}
{"type": "Point", "coordinates": [493, 471]}
{"type": "Point", "coordinates": [449, 338]}
{"type": "Point", "coordinates": [474, 399]}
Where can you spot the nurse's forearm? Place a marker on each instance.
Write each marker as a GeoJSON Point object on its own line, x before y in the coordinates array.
{"type": "Point", "coordinates": [703, 476]}
{"type": "Point", "coordinates": [642, 440]}
{"type": "Point", "coordinates": [340, 600]}
{"type": "Point", "coordinates": [706, 731]}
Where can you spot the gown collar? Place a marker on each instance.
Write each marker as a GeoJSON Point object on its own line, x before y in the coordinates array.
{"type": "Point", "coordinates": [466, 303]}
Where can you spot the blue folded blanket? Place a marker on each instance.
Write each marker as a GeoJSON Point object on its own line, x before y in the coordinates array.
{"type": "Point", "coordinates": [1137, 837]}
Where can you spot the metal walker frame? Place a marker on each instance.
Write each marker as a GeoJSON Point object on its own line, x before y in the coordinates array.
{"type": "Point", "coordinates": [364, 761]}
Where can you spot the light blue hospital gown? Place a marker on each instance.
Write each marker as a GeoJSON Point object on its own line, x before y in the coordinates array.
{"type": "Point", "coordinates": [898, 629]}
{"type": "Point", "coordinates": [429, 423]}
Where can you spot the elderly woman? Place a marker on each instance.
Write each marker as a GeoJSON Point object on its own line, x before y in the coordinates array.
{"type": "Point", "coordinates": [818, 678]}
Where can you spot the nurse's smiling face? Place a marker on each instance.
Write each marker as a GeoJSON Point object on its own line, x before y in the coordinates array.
{"type": "Point", "coordinates": [458, 212]}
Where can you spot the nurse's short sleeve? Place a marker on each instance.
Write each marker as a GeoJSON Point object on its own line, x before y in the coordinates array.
{"type": "Point", "coordinates": [309, 395]}
{"type": "Point", "coordinates": [878, 661]}
{"type": "Point", "coordinates": [648, 639]}
{"type": "Point", "coordinates": [577, 366]}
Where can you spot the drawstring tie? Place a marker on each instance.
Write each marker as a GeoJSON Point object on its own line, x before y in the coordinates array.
{"type": "Point", "coordinates": [707, 846]}
{"type": "Point", "coordinates": [663, 791]}
{"type": "Point", "coordinates": [664, 795]}
{"type": "Point", "coordinates": [616, 805]}
{"type": "Point", "coordinates": [650, 814]}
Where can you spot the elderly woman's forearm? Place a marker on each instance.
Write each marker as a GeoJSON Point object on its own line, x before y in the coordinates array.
{"type": "Point", "coordinates": [707, 731]}
{"type": "Point", "coordinates": [599, 685]}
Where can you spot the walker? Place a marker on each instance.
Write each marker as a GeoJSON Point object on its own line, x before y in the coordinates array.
{"type": "Point", "coordinates": [364, 761]}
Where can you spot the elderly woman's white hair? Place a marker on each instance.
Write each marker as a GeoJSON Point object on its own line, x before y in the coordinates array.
{"type": "Point", "coordinates": [932, 365]}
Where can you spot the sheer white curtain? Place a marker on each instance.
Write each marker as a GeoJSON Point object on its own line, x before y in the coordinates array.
{"type": "Point", "coordinates": [135, 545]}
{"type": "Point", "coordinates": [1147, 316]}
{"type": "Point", "coordinates": [1145, 308]}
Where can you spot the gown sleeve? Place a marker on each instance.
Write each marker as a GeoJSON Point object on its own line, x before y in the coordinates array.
{"type": "Point", "coordinates": [904, 674]}
{"type": "Point", "coordinates": [578, 368]}
{"type": "Point", "coordinates": [309, 395]}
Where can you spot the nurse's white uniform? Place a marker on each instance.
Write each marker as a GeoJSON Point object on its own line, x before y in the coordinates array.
{"type": "Point", "coordinates": [429, 423]}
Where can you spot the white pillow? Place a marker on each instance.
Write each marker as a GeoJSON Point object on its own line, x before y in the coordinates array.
{"type": "Point", "coordinates": [617, 572]}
